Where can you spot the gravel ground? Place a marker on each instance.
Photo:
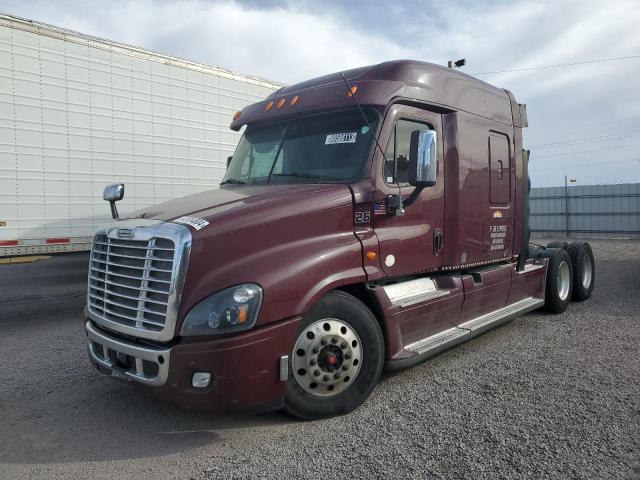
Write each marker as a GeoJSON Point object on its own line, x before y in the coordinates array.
{"type": "Point", "coordinates": [541, 397]}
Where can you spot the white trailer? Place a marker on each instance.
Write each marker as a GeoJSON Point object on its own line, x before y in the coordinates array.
{"type": "Point", "coordinates": [78, 113]}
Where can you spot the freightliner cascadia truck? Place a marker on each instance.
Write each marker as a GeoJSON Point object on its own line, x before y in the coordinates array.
{"type": "Point", "coordinates": [368, 219]}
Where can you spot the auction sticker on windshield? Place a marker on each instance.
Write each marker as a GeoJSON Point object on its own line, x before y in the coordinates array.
{"type": "Point", "coordinates": [197, 223]}
{"type": "Point", "coordinates": [346, 137]}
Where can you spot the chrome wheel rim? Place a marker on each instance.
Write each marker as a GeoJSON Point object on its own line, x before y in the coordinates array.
{"type": "Point", "coordinates": [587, 271]}
{"type": "Point", "coordinates": [327, 357]}
{"type": "Point", "coordinates": [564, 280]}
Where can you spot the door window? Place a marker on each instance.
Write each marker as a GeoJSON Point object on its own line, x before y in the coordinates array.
{"type": "Point", "coordinates": [397, 152]}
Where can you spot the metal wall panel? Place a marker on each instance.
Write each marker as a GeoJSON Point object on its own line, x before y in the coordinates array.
{"type": "Point", "coordinates": [78, 113]}
{"type": "Point", "coordinates": [587, 211]}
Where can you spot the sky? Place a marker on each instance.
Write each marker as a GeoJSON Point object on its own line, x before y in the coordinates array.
{"type": "Point", "coordinates": [584, 120]}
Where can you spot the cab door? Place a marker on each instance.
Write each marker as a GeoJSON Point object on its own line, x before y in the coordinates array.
{"type": "Point", "coordinates": [413, 242]}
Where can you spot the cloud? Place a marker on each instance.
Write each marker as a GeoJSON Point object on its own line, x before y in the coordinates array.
{"type": "Point", "coordinates": [276, 43]}
{"type": "Point", "coordinates": [291, 41]}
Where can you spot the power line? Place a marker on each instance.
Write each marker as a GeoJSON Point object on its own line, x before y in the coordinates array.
{"type": "Point", "coordinates": [564, 167]}
{"type": "Point", "coordinates": [559, 65]}
{"type": "Point", "coordinates": [581, 141]}
{"type": "Point", "coordinates": [585, 151]}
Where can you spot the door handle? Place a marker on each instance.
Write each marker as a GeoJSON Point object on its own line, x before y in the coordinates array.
{"type": "Point", "coordinates": [437, 241]}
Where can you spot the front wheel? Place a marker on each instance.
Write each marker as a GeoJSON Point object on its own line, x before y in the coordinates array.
{"type": "Point", "coordinates": [336, 360]}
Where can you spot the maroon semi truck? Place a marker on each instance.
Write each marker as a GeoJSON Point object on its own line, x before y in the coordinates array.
{"type": "Point", "coordinates": [368, 219]}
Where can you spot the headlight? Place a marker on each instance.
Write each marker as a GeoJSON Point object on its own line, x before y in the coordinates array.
{"type": "Point", "coordinates": [231, 310]}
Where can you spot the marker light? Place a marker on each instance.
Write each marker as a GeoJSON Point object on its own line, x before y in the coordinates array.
{"type": "Point", "coordinates": [236, 115]}
{"type": "Point", "coordinates": [281, 102]}
{"type": "Point", "coordinates": [371, 255]}
{"type": "Point", "coordinates": [294, 100]}
{"type": "Point", "coordinates": [352, 91]}
{"type": "Point", "coordinates": [268, 106]}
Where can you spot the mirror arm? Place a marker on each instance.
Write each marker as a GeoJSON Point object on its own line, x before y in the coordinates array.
{"type": "Point", "coordinates": [114, 210]}
{"type": "Point", "coordinates": [414, 195]}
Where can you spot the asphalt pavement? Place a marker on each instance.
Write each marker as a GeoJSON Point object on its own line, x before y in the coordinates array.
{"type": "Point", "coordinates": [542, 397]}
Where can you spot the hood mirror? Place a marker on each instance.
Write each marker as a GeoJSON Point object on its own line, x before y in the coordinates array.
{"type": "Point", "coordinates": [112, 194]}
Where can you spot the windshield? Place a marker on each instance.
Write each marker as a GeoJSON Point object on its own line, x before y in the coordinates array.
{"type": "Point", "coordinates": [331, 147]}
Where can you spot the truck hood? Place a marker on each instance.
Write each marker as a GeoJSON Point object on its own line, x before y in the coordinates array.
{"type": "Point", "coordinates": [232, 207]}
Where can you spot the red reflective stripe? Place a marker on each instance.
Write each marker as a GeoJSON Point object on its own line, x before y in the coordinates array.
{"type": "Point", "coordinates": [57, 240]}
{"type": "Point", "coordinates": [8, 243]}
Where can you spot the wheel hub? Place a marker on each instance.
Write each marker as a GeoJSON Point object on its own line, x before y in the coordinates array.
{"type": "Point", "coordinates": [327, 357]}
{"type": "Point", "coordinates": [330, 358]}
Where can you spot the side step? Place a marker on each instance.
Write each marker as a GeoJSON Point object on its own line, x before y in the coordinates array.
{"type": "Point", "coordinates": [439, 342]}
{"type": "Point", "coordinates": [490, 320]}
{"type": "Point", "coordinates": [412, 292]}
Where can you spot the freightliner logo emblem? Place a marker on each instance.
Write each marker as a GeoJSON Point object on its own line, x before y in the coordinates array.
{"type": "Point", "coordinates": [124, 233]}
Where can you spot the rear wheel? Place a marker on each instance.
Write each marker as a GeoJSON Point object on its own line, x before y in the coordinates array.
{"type": "Point", "coordinates": [336, 360]}
{"type": "Point", "coordinates": [559, 280]}
{"type": "Point", "coordinates": [584, 270]}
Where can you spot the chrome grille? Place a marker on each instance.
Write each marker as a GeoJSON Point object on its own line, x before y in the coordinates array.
{"type": "Point", "coordinates": [132, 282]}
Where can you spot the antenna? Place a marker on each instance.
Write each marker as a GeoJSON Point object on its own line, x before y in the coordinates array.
{"type": "Point", "coordinates": [400, 208]}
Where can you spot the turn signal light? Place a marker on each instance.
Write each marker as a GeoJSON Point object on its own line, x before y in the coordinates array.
{"type": "Point", "coordinates": [236, 115]}
{"type": "Point", "coordinates": [352, 91]}
{"type": "Point", "coordinates": [268, 106]}
{"type": "Point", "coordinates": [294, 100]}
{"type": "Point", "coordinates": [242, 314]}
{"type": "Point", "coordinates": [281, 102]}
{"type": "Point", "coordinates": [371, 255]}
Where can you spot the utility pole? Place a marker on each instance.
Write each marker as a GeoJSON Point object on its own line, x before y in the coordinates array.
{"type": "Point", "coordinates": [566, 206]}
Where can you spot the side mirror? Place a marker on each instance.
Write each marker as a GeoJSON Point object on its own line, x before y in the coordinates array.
{"type": "Point", "coordinates": [423, 158]}
{"type": "Point", "coordinates": [423, 164]}
{"type": "Point", "coordinates": [112, 194]}
{"type": "Point", "coordinates": [229, 161]}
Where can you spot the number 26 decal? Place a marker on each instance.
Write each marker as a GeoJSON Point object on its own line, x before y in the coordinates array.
{"type": "Point", "coordinates": [362, 217]}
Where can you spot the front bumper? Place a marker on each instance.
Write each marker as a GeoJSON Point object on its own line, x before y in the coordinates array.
{"type": "Point", "coordinates": [245, 367]}
{"type": "Point", "coordinates": [128, 361]}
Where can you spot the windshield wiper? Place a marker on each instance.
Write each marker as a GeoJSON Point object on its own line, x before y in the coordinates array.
{"type": "Point", "coordinates": [232, 181]}
{"type": "Point", "coordinates": [315, 178]}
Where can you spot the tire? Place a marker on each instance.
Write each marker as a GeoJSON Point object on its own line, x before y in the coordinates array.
{"type": "Point", "coordinates": [535, 251]}
{"type": "Point", "coordinates": [559, 280]}
{"type": "Point", "coordinates": [557, 244]}
{"type": "Point", "coordinates": [584, 270]}
{"type": "Point", "coordinates": [334, 378]}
